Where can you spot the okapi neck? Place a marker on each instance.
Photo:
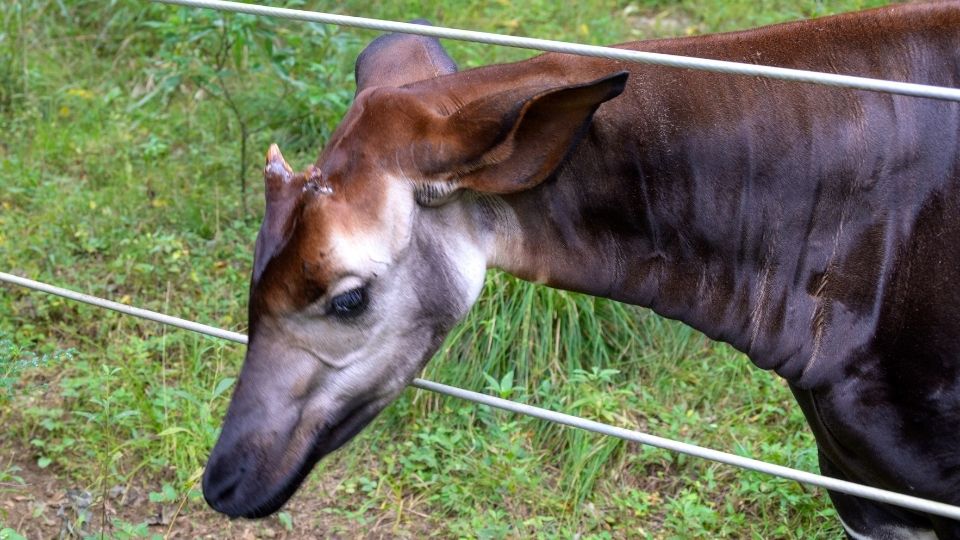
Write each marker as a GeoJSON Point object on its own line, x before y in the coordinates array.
{"type": "Point", "coordinates": [746, 238]}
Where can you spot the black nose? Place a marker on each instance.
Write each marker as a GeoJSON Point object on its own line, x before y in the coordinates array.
{"type": "Point", "coordinates": [222, 480]}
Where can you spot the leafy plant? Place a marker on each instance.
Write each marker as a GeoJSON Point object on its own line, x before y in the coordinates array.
{"type": "Point", "coordinates": [255, 67]}
{"type": "Point", "coordinates": [16, 359]}
{"type": "Point", "coordinates": [6, 533]}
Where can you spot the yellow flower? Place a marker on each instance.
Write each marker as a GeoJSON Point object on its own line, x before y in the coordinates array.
{"type": "Point", "coordinates": [81, 93]}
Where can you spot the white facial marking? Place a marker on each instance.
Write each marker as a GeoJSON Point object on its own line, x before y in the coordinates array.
{"type": "Point", "coordinates": [366, 253]}
{"type": "Point", "coordinates": [469, 259]}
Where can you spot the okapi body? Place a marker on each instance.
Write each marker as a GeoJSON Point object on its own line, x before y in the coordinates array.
{"type": "Point", "coordinates": [815, 229]}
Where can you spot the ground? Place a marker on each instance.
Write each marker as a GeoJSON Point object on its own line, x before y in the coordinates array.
{"type": "Point", "coordinates": [40, 503]}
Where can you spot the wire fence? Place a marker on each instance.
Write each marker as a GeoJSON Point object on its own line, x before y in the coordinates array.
{"type": "Point", "coordinates": [843, 486]}
{"type": "Point", "coordinates": [612, 53]}
{"type": "Point", "coordinates": [838, 80]}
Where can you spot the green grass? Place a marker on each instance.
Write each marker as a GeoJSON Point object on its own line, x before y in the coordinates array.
{"type": "Point", "coordinates": [120, 175]}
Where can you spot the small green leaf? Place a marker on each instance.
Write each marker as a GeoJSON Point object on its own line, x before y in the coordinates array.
{"type": "Point", "coordinates": [165, 495]}
{"type": "Point", "coordinates": [222, 386]}
{"type": "Point", "coordinates": [9, 534]}
{"type": "Point", "coordinates": [492, 383]}
{"type": "Point", "coordinates": [506, 383]}
{"type": "Point", "coordinates": [44, 462]}
{"type": "Point", "coordinates": [286, 520]}
{"type": "Point", "coordinates": [172, 430]}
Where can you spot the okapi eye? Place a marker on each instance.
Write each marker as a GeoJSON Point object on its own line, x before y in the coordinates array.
{"type": "Point", "coordinates": [349, 303]}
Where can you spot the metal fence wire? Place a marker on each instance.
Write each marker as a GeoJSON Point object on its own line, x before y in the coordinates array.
{"type": "Point", "coordinates": [612, 53]}
{"type": "Point", "coordinates": [843, 486]}
{"type": "Point", "coordinates": [829, 79]}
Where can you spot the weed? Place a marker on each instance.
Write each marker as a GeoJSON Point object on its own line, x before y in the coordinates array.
{"type": "Point", "coordinates": [7, 533]}
{"type": "Point", "coordinates": [16, 359]}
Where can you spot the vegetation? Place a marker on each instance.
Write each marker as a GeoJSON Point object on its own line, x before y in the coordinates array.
{"type": "Point", "coordinates": [132, 135]}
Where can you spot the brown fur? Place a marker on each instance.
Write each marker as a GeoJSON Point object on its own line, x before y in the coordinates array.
{"type": "Point", "coordinates": [816, 229]}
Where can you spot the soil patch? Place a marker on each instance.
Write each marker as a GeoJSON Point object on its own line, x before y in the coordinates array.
{"type": "Point", "coordinates": [42, 504]}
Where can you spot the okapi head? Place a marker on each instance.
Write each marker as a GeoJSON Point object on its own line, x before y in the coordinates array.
{"type": "Point", "coordinates": [369, 257]}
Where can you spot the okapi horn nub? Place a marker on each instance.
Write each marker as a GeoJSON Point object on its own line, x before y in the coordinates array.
{"type": "Point", "coordinates": [277, 171]}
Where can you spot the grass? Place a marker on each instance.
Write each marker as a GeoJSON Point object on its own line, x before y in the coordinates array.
{"type": "Point", "coordinates": [129, 169]}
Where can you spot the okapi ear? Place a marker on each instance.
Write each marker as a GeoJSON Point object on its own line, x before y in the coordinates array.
{"type": "Point", "coordinates": [282, 189]}
{"type": "Point", "coordinates": [513, 140]}
{"type": "Point", "coordinates": [399, 59]}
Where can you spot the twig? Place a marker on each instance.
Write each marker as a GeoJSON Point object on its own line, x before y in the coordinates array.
{"type": "Point", "coordinates": [183, 501]}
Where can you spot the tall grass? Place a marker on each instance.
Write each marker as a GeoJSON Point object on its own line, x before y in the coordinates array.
{"type": "Point", "coordinates": [121, 164]}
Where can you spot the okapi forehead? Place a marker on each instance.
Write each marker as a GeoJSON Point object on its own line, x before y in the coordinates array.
{"type": "Point", "coordinates": [354, 231]}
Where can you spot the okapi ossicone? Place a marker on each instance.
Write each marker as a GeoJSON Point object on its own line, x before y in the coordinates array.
{"type": "Point", "coordinates": [815, 229]}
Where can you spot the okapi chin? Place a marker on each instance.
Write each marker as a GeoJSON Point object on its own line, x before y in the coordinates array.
{"type": "Point", "coordinates": [815, 229]}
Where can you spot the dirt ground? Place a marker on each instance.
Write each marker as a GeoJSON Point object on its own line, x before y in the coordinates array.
{"type": "Point", "coordinates": [46, 506]}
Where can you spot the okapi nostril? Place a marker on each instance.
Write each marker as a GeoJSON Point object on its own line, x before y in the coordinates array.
{"type": "Point", "coordinates": [228, 492]}
{"type": "Point", "coordinates": [221, 481]}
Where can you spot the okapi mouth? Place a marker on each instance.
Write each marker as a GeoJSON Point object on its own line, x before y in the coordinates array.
{"type": "Point", "coordinates": [330, 437]}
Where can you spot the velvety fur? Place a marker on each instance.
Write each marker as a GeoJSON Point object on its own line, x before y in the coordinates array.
{"type": "Point", "coordinates": [815, 229]}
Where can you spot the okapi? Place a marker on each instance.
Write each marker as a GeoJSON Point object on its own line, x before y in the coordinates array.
{"type": "Point", "coordinates": [815, 229]}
